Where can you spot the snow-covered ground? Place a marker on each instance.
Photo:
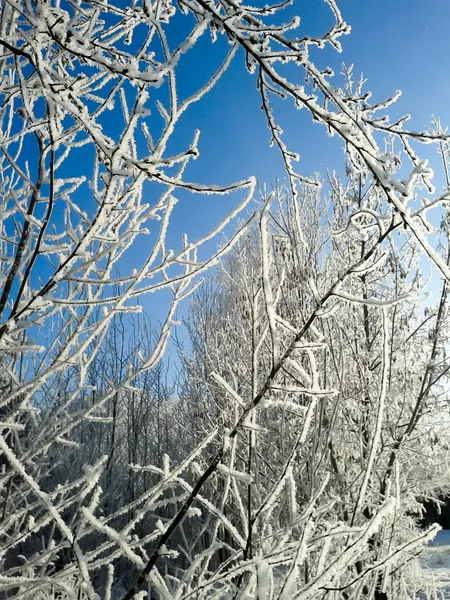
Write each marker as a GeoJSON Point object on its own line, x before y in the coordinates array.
{"type": "Point", "coordinates": [435, 565]}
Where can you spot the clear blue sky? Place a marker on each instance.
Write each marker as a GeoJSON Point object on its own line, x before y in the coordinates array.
{"type": "Point", "coordinates": [397, 44]}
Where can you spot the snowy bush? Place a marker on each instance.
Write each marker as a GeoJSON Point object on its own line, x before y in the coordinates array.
{"type": "Point", "coordinates": [346, 417]}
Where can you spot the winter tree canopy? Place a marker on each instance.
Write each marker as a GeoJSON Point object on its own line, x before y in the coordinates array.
{"type": "Point", "coordinates": [307, 429]}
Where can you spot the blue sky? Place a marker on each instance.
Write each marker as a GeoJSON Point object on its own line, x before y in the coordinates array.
{"type": "Point", "coordinates": [396, 44]}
